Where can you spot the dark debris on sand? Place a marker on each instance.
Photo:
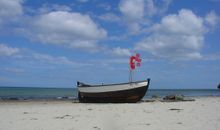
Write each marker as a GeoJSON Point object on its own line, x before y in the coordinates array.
{"type": "Point", "coordinates": [168, 98]}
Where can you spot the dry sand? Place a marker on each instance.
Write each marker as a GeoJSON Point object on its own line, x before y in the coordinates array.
{"type": "Point", "coordinates": [202, 114]}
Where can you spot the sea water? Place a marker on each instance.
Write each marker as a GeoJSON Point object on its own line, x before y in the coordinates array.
{"type": "Point", "coordinates": [25, 93]}
{"type": "Point", "coordinates": [37, 93]}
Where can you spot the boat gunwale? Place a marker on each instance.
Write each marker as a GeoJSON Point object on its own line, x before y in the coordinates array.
{"type": "Point", "coordinates": [102, 85]}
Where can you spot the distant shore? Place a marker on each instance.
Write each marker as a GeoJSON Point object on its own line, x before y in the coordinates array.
{"type": "Point", "coordinates": [201, 114]}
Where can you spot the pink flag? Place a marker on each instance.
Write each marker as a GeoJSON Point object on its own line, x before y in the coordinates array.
{"type": "Point", "coordinates": [134, 59]}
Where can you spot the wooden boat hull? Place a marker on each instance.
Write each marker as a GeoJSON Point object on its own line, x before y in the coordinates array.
{"type": "Point", "coordinates": [113, 93]}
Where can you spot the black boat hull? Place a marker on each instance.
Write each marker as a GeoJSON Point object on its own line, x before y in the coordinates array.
{"type": "Point", "coordinates": [123, 96]}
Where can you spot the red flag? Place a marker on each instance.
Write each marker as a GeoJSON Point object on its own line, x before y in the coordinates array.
{"type": "Point", "coordinates": [133, 59]}
{"type": "Point", "coordinates": [138, 60]}
{"type": "Point", "coordinates": [132, 64]}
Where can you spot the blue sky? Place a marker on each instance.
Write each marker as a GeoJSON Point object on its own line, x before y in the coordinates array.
{"type": "Point", "coordinates": [51, 43]}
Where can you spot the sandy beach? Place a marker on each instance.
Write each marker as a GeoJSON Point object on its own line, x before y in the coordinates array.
{"type": "Point", "coordinates": [202, 114]}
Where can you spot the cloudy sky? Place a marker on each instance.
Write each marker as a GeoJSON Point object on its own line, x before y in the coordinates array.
{"type": "Point", "coordinates": [54, 43]}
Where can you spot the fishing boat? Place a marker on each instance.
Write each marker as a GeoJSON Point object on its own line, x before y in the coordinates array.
{"type": "Point", "coordinates": [129, 92]}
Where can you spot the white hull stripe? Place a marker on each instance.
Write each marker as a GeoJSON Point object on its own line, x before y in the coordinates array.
{"type": "Point", "coordinates": [120, 87]}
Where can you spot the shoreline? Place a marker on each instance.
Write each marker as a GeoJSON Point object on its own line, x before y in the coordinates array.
{"type": "Point", "coordinates": [75, 100]}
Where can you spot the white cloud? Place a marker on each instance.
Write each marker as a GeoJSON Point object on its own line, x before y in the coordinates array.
{"type": "Point", "coordinates": [90, 46]}
{"type": "Point", "coordinates": [8, 51]}
{"type": "Point", "coordinates": [178, 37]}
{"type": "Point", "coordinates": [28, 56]}
{"type": "Point", "coordinates": [185, 23]}
{"type": "Point", "coordinates": [121, 51]}
{"type": "Point", "coordinates": [51, 59]}
{"type": "Point", "coordinates": [46, 8]}
{"type": "Point", "coordinates": [133, 10]}
{"type": "Point", "coordinates": [69, 29]}
{"type": "Point", "coordinates": [10, 10]}
{"type": "Point", "coordinates": [133, 13]}
{"type": "Point", "coordinates": [212, 19]}
{"type": "Point", "coordinates": [161, 9]}
{"type": "Point", "coordinates": [110, 17]}
{"type": "Point", "coordinates": [150, 8]}
{"type": "Point", "coordinates": [136, 13]}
